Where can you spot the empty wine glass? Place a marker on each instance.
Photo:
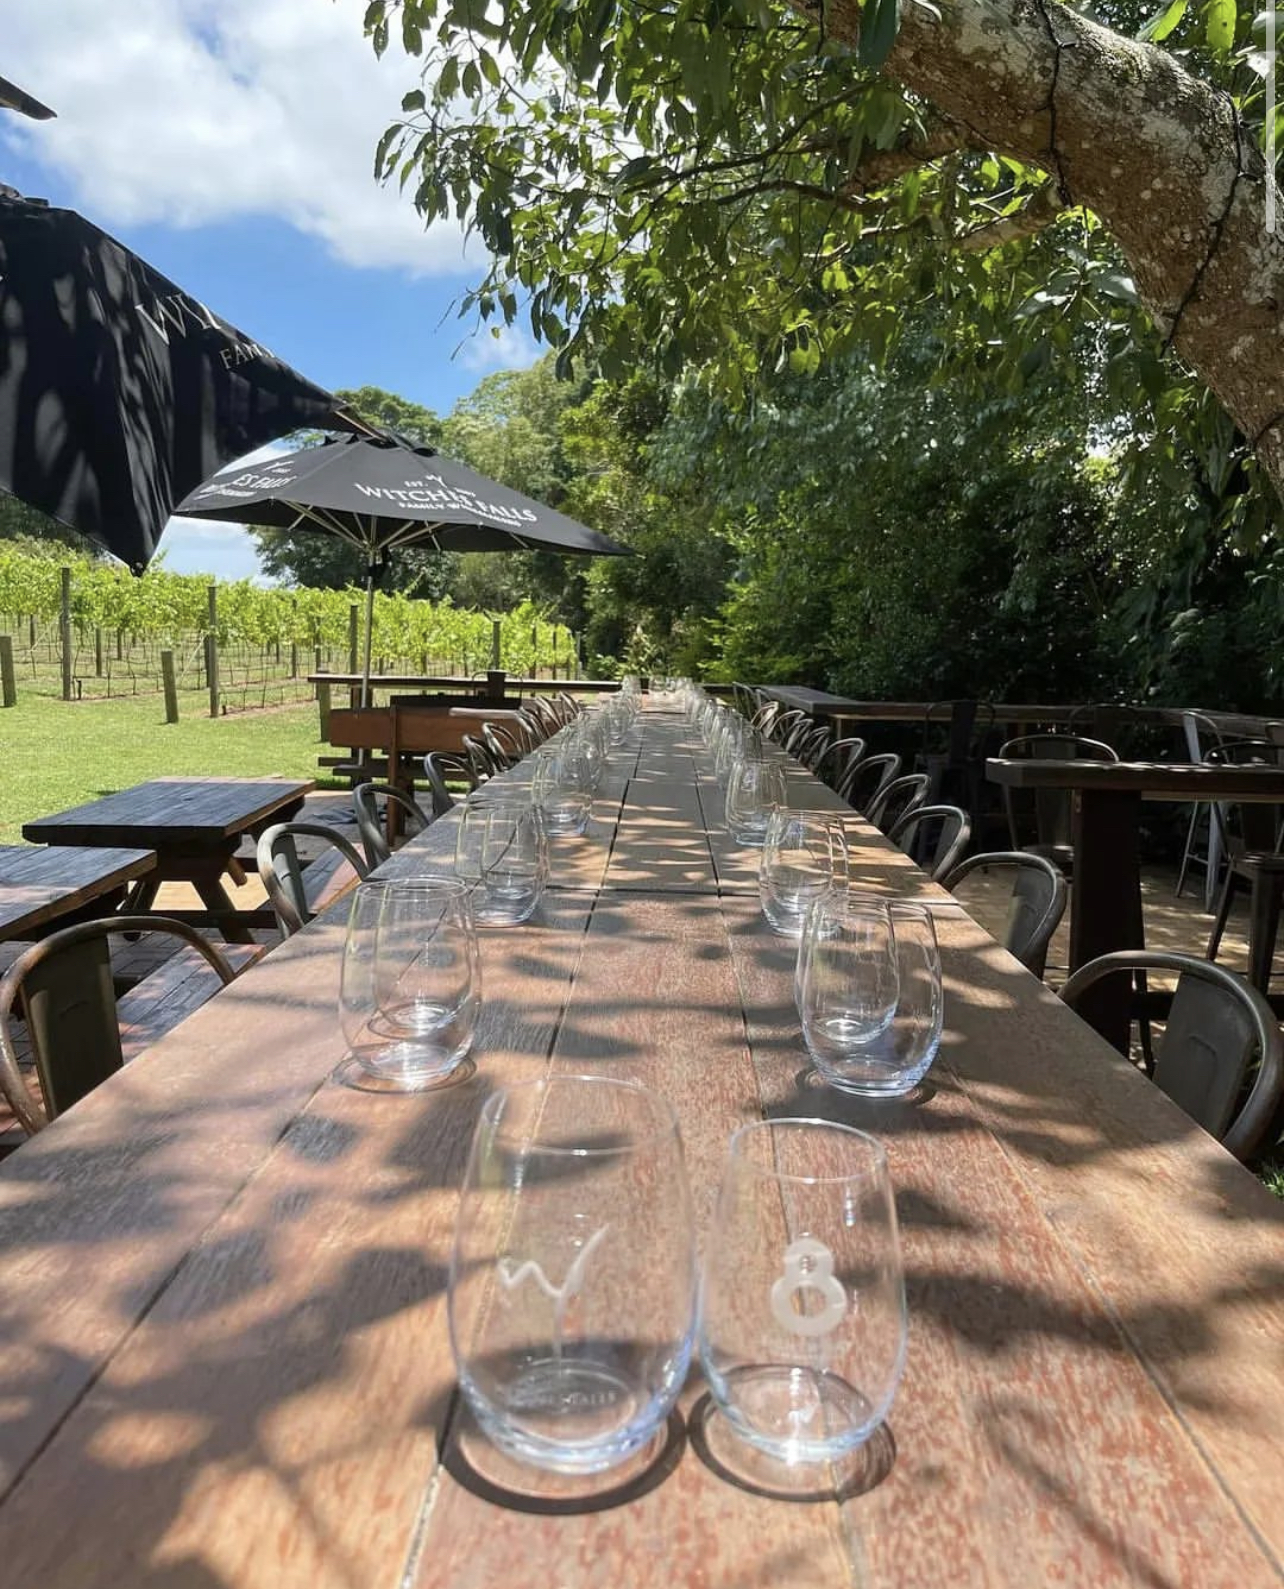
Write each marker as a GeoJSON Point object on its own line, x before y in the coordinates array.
{"type": "Point", "coordinates": [500, 849]}
{"type": "Point", "coordinates": [804, 853]}
{"type": "Point", "coordinates": [562, 787]}
{"type": "Point", "coordinates": [755, 785]}
{"type": "Point", "coordinates": [572, 1280]}
{"type": "Point", "coordinates": [802, 1305]}
{"type": "Point", "coordinates": [847, 983]}
{"type": "Point", "coordinates": [410, 983]}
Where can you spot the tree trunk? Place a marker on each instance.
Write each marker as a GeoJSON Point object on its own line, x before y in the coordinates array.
{"type": "Point", "coordinates": [1157, 153]}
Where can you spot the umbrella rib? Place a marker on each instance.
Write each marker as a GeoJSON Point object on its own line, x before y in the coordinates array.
{"type": "Point", "coordinates": [335, 526]}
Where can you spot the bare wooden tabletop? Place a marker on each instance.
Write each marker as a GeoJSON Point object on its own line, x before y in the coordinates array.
{"type": "Point", "coordinates": [225, 1361]}
{"type": "Point", "coordinates": [1155, 780]}
{"type": "Point", "coordinates": [169, 811]}
{"type": "Point", "coordinates": [37, 885]}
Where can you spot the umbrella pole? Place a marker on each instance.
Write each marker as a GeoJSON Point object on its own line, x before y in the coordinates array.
{"type": "Point", "coordinates": [371, 573]}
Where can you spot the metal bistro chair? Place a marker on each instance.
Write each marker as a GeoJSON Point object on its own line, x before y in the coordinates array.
{"type": "Point", "coordinates": [372, 823]}
{"type": "Point", "coordinates": [440, 765]}
{"type": "Point", "coordinates": [764, 718]}
{"type": "Point", "coordinates": [784, 724]}
{"type": "Point", "coordinates": [813, 745]}
{"type": "Point", "coordinates": [939, 856]}
{"type": "Point", "coordinates": [481, 758]}
{"type": "Point", "coordinates": [70, 1003]}
{"type": "Point", "coordinates": [1036, 905]}
{"type": "Point", "coordinates": [1216, 1027]}
{"type": "Point", "coordinates": [897, 799]}
{"type": "Point", "coordinates": [838, 760]}
{"type": "Point", "coordinates": [283, 872]}
{"type": "Point", "coordinates": [1052, 807]}
{"type": "Point", "coordinates": [865, 781]}
{"type": "Point", "coordinates": [502, 744]}
{"type": "Point", "coordinates": [1252, 857]}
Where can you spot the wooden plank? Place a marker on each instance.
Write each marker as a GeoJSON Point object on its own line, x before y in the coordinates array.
{"type": "Point", "coordinates": [168, 811]}
{"type": "Point", "coordinates": [39, 885]}
{"type": "Point", "coordinates": [1152, 780]}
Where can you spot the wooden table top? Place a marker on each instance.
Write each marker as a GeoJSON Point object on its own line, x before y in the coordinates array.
{"type": "Point", "coordinates": [225, 1360]}
{"type": "Point", "coordinates": [1156, 780]}
{"type": "Point", "coordinates": [37, 885]}
{"type": "Point", "coordinates": [169, 811]}
{"type": "Point", "coordinates": [819, 701]}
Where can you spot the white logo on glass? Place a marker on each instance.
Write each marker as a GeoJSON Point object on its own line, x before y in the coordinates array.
{"type": "Point", "coordinates": [808, 1266]}
{"type": "Point", "coordinates": [512, 1275]}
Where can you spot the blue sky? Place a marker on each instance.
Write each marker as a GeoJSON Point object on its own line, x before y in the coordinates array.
{"type": "Point", "coordinates": [230, 143]}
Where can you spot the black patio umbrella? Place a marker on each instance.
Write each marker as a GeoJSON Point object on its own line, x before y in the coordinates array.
{"type": "Point", "coordinates": [118, 391]}
{"type": "Point", "coordinates": [380, 493]}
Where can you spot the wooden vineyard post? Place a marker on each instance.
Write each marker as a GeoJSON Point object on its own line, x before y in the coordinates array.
{"type": "Point", "coordinates": [8, 682]}
{"type": "Point", "coordinates": [170, 685]}
{"type": "Point", "coordinates": [98, 652]}
{"type": "Point", "coordinates": [354, 635]}
{"type": "Point", "coordinates": [211, 651]}
{"type": "Point", "coordinates": [31, 633]}
{"type": "Point", "coordinates": [294, 659]}
{"type": "Point", "coordinates": [495, 629]}
{"type": "Point", "coordinates": [554, 665]}
{"type": "Point", "coordinates": [64, 630]}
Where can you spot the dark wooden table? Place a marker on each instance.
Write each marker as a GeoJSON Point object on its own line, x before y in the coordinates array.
{"type": "Point", "coordinates": [62, 884]}
{"type": "Point", "coordinates": [1105, 902]}
{"type": "Point", "coordinates": [840, 709]}
{"type": "Point", "coordinates": [195, 826]}
{"type": "Point", "coordinates": [224, 1361]}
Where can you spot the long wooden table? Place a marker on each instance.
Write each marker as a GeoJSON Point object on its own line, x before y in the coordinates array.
{"type": "Point", "coordinates": [40, 887]}
{"type": "Point", "coordinates": [225, 1361]}
{"type": "Point", "coordinates": [194, 825]}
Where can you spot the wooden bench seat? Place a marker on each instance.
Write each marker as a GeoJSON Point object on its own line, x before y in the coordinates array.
{"type": "Point", "coordinates": [169, 994]}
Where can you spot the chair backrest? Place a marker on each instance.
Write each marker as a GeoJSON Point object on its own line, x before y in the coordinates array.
{"type": "Point", "coordinates": [440, 765]}
{"type": "Point", "coordinates": [897, 799]}
{"type": "Point", "coordinates": [1051, 806]}
{"type": "Point", "coordinates": [481, 758]}
{"type": "Point", "coordinates": [282, 871]}
{"type": "Point", "coordinates": [371, 821]}
{"type": "Point", "coordinates": [838, 759]}
{"type": "Point", "coordinates": [1036, 906]}
{"type": "Point", "coordinates": [529, 728]}
{"type": "Point", "coordinates": [570, 707]}
{"type": "Point", "coordinates": [69, 1000]}
{"type": "Point", "coordinates": [783, 725]}
{"type": "Point", "coordinates": [543, 711]}
{"type": "Point", "coordinates": [934, 836]}
{"type": "Point", "coordinates": [501, 744]}
{"type": "Point", "coordinates": [765, 716]}
{"type": "Point", "coordinates": [811, 747]}
{"type": "Point", "coordinates": [1217, 1026]}
{"type": "Point", "coordinates": [865, 779]}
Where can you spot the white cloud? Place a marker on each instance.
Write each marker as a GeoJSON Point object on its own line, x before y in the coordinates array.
{"type": "Point", "coordinates": [499, 348]}
{"type": "Point", "coordinates": [186, 112]}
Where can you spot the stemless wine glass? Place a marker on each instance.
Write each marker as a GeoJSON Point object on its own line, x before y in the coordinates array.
{"type": "Point", "coordinates": [500, 849]}
{"type": "Point", "coordinates": [902, 1053]}
{"type": "Point", "coordinates": [804, 853]}
{"type": "Point", "coordinates": [848, 978]}
{"type": "Point", "coordinates": [802, 1304]}
{"type": "Point", "coordinates": [410, 986]}
{"type": "Point", "coordinates": [562, 787]}
{"type": "Point", "coordinates": [755, 785]}
{"type": "Point", "coordinates": [572, 1280]}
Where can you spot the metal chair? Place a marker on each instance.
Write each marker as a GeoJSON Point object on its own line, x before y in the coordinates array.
{"type": "Point", "coordinates": [440, 765]}
{"type": "Point", "coordinates": [1252, 857]}
{"type": "Point", "coordinates": [897, 799]}
{"type": "Point", "coordinates": [1052, 807]}
{"type": "Point", "coordinates": [282, 871]}
{"type": "Point", "coordinates": [838, 760]}
{"type": "Point", "coordinates": [501, 744]}
{"type": "Point", "coordinates": [939, 856]}
{"type": "Point", "coordinates": [481, 758]}
{"type": "Point", "coordinates": [782, 726]}
{"type": "Point", "coordinates": [69, 1000]}
{"type": "Point", "coordinates": [372, 824]}
{"type": "Point", "coordinates": [1216, 1027]}
{"type": "Point", "coordinates": [1037, 904]}
{"type": "Point", "coordinates": [765, 716]}
{"type": "Point", "coordinates": [813, 746]}
{"type": "Point", "coordinates": [867, 778]}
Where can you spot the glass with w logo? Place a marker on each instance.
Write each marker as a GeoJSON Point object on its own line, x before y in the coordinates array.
{"type": "Point", "coordinates": [572, 1280]}
{"type": "Point", "coordinates": [802, 1306]}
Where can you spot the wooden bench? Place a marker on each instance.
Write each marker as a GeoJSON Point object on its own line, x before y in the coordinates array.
{"type": "Point", "coordinates": [164, 997]}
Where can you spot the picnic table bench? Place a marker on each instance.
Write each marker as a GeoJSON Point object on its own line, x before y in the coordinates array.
{"type": "Point", "coordinates": [40, 888]}
{"type": "Point", "coordinates": [226, 1357]}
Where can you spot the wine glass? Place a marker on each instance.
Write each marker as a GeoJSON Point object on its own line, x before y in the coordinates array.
{"type": "Point", "coordinates": [562, 788]}
{"type": "Point", "coordinates": [501, 850]}
{"type": "Point", "coordinates": [802, 1305]}
{"type": "Point", "coordinates": [755, 785]}
{"type": "Point", "coordinates": [410, 982]}
{"type": "Point", "coordinates": [848, 979]}
{"type": "Point", "coordinates": [804, 853]}
{"type": "Point", "coordinates": [572, 1279]}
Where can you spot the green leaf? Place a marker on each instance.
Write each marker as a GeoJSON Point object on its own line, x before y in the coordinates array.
{"type": "Point", "coordinates": [880, 21]}
{"type": "Point", "coordinates": [1163, 22]}
{"type": "Point", "coordinates": [1219, 25]}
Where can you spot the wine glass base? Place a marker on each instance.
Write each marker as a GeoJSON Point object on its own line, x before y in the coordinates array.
{"type": "Point", "coordinates": [361, 1077]}
{"type": "Point", "coordinates": [724, 1450]}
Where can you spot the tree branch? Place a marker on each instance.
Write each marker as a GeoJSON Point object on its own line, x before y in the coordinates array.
{"type": "Point", "coordinates": [880, 166]}
{"type": "Point", "coordinates": [1041, 209]}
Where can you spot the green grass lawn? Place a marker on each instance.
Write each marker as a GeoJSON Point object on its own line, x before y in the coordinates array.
{"type": "Point", "coordinates": [55, 754]}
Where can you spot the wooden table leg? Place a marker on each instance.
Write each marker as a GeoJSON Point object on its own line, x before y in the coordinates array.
{"type": "Point", "coordinates": [1105, 901]}
{"type": "Point", "coordinates": [223, 913]}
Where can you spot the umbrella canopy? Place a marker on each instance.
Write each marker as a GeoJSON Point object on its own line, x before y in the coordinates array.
{"type": "Point", "coordinates": [118, 391]}
{"type": "Point", "coordinates": [379, 494]}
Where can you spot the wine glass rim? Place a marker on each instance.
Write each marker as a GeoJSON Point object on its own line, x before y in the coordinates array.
{"type": "Point", "coordinates": [876, 1166]}
{"type": "Point", "coordinates": [428, 881]}
{"type": "Point", "coordinates": [666, 1121]}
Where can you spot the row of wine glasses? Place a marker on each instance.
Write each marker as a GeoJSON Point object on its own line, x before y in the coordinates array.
{"type": "Point", "coordinates": [576, 1300]}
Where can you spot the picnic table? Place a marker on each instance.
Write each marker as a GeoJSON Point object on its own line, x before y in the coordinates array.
{"type": "Point", "coordinates": [195, 827]}
{"type": "Point", "coordinates": [63, 884]}
{"type": "Point", "coordinates": [226, 1362]}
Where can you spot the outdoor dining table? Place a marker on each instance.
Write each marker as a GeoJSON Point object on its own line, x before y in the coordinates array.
{"type": "Point", "coordinates": [225, 1361]}
{"type": "Point", "coordinates": [63, 883]}
{"type": "Point", "coordinates": [195, 827]}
